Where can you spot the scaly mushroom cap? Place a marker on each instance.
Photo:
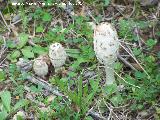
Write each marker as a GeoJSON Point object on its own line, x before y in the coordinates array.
{"type": "Point", "coordinates": [106, 43]}
{"type": "Point", "coordinates": [57, 55]}
{"type": "Point", "coordinates": [19, 113]}
{"type": "Point", "coordinates": [40, 67]}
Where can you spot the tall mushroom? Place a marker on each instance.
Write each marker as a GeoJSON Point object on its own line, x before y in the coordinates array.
{"type": "Point", "coordinates": [106, 46]}
{"type": "Point", "coordinates": [57, 55]}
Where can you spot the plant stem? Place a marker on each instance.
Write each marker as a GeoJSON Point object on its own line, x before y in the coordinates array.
{"type": "Point", "coordinates": [109, 74]}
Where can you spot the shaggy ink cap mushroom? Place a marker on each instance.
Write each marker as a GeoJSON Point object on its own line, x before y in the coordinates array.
{"type": "Point", "coordinates": [106, 46]}
{"type": "Point", "coordinates": [40, 67]}
{"type": "Point", "coordinates": [57, 55]}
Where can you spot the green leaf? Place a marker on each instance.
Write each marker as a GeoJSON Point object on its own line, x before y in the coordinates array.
{"type": "Point", "coordinates": [39, 29]}
{"type": "Point", "coordinates": [27, 52]}
{"type": "Point", "coordinates": [116, 100]}
{"type": "Point", "coordinates": [10, 44]}
{"type": "Point", "coordinates": [2, 75]}
{"type": "Point", "coordinates": [35, 89]}
{"type": "Point", "coordinates": [80, 89]}
{"type": "Point", "coordinates": [118, 66]}
{"type": "Point", "coordinates": [137, 51]}
{"type": "Point", "coordinates": [15, 54]}
{"type": "Point", "coordinates": [23, 39]}
{"type": "Point", "coordinates": [21, 103]}
{"type": "Point", "coordinates": [106, 2]}
{"type": "Point", "coordinates": [40, 50]}
{"type": "Point", "coordinates": [94, 84]}
{"type": "Point", "coordinates": [46, 17]}
{"type": "Point", "coordinates": [73, 53]}
{"type": "Point", "coordinates": [6, 100]}
{"type": "Point", "coordinates": [158, 33]}
{"type": "Point", "coordinates": [151, 42]}
{"type": "Point", "coordinates": [110, 89]}
{"type": "Point", "coordinates": [140, 75]}
{"type": "Point", "coordinates": [3, 115]}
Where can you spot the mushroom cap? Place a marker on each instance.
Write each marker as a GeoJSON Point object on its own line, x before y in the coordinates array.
{"type": "Point", "coordinates": [106, 43]}
{"type": "Point", "coordinates": [57, 55]}
{"type": "Point", "coordinates": [40, 67]}
{"type": "Point", "coordinates": [19, 113]}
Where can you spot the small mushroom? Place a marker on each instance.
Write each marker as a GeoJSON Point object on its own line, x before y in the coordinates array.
{"type": "Point", "coordinates": [40, 66]}
{"type": "Point", "coordinates": [18, 115]}
{"type": "Point", "coordinates": [24, 65]}
{"type": "Point", "coordinates": [106, 46]}
{"type": "Point", "coordinates": [57, 55]}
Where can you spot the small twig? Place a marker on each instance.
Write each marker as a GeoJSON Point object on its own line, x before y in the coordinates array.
{"type": "Point", "coordinates": [45, 85]}
{"type": "Point", "coordinates": [4, 47]}
{"type": "Point", "coordinates": [34, 29]}
{"type": "Point", "coordinates": [16, 22]}
{"type": "Point", "coordinates": [95, 115]}
{"type": "Point", "coordinates": [111, 108]}
{"type": "Point", "coordinates": [126, 62]}
{"type": "Point", "coordinates": [127, 43]}
{"type": "Point", "coordinates": [3, 60]}
{"type": "Point", "coordinates": [126, 81]}
{"type": "Point", "coordinates": [134, 8]}
{"type": "Point", "coordinates": [5, 21]}
{"type": "Point", "coordinates": [135, 59]}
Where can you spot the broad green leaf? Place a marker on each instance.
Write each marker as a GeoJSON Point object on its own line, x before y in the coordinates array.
{"type": "Point", "coordinates": [151, 42]}
{"type": "Point", "coordinates": [118, 66]}
{"type": "Point", "coordinates": [40, 50]}
{"type": "Point", "coordinates": [23, 39]}
{"type": "Point", "coordinates": [3, 115]}
{"type": "Point", "coordinates": [116, 100]}
{"type": "Point", "coordinates": [137, 51]}
{"type": "Point", "coordinates": [34, 89]}
{"type": "Point", "coordinates": [21, 103]}
{"type": "Point", "coordinates": [158, 33]}
{"type": "Point", "coordinates": [106, 2]}
{"type": "Point", "coordinates": [27, 52]}
{"type": "Point", "coordinates": [46, 17]}
{"type": "Point", "coordinates": [110, 89]}
{"type": "Point", "coordinates": [2, 75]}
{"type": "Point", "coordinates": [6, 100]}
{"type": "Point", "coordinates": [39, 29]}
{"type": "Point", "coordinates": [10, 44]}
{"type": "Point", "coordinates": [15, 54]}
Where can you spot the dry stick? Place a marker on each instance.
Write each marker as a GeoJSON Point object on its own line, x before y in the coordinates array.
{"type": "Point", "coordinates": [134, 8]}
{"type": "Point", "coordinates": [4, 47]}
{"type": "Point", "coordinates": [95, 114]}
{"type": "Point", "coordinates": [45, 85]}
{"type": "Point", "coordinates": [135, 59]}
{"type": "Point", "coordinates": [5, 21]}
{"type": "Point", "coordinates": [127, 43]}
{"type": "Point", "coordinates": [125, 80]}
{"type": "Point", "coordinates": [2, 23]}
{"type": "Point", "coordinates": [16, 22]}
{"type": "Point", "coordinates": [99, 108]}
{"type": "Point", "coordinates": [111, 111]}
{"type": "Point", "coordinates": [126, 62]}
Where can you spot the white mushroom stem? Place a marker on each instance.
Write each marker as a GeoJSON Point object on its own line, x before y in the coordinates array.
{"type": "Point", "coordinates": [110, 79]}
